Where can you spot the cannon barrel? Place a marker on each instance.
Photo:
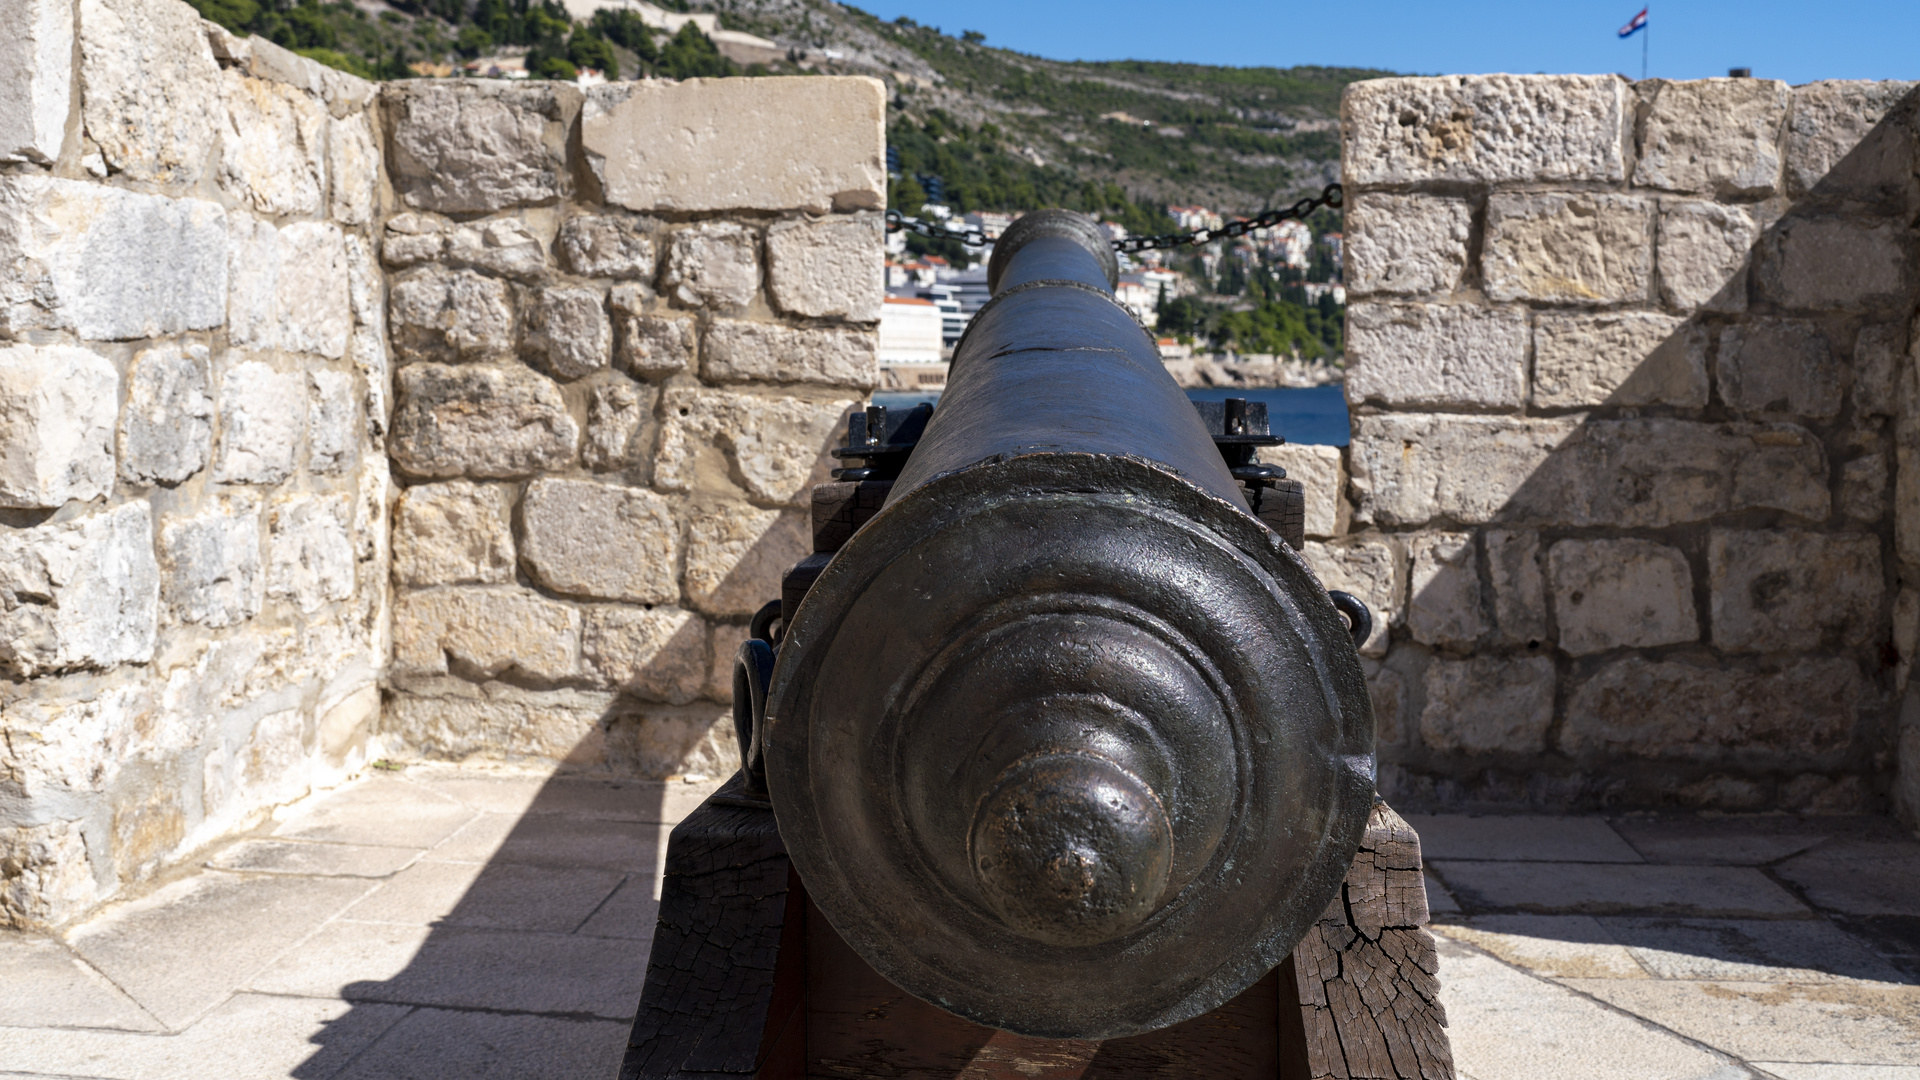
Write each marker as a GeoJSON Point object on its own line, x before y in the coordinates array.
{"type": "Point", "coordinates": [1065, 740]}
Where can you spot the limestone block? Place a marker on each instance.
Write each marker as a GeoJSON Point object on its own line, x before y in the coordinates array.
{"type": "Point", "coordinates": [1432, 354]}
{"type": "Point", "coordinates": [166, 432]}
{"type": "Point", "coordinates": [1611, 594]}
{"type": "Point", "coordinates": [212, 563]}
{"type": "Point", "coordinates": [262, 415]}
{"type": "Point", "coordinates": [1369, 570]}
{"type": "Point", "coordinates": [290, 287]}
{"type": "Point", "coordinates": [814, 144]}
{"type": "Point", "coordinates": [567, 331]}
{"type": "Point", "coordinates": [1863, 488]}
{"type": "Point", "coordinates": [1483, 128]}
{"type": "Point", "coordinates": [775, 445]}
{"type": "Point", "coordinates": [501, 246]}
{"type": "Point", "coordinates": [48, 879]}
{"type": "Point", "coordinates": [271, 146]}
{"type": "Point", "coordinates": [828, 268]}
{"type": "Point", "coordinates": [1649, 708]}
{"type": "Point", "coordinates": [655, 654]}
{"type": "Point", "coordinates": [1812, 264]}
{"type": "Point", "coordinates": [606, 247]}
{"type": "Point", "coordinates": [411, 239]}
{"type": "Point", "coordinates": [1623, 358]}
{"type": "Point", "coordinates": [149, 89]}
{"type": "Point", "coordinates": [489, 422]}
{"type": "Point", "coordinates": [1568, 249]}
{"type": "Point", "coordinates": [1719, 136]}
{"type": "Point", "coordinates": [346, 726]}
{"type": "Point", "coordinates": [1779, 366]}
{"type": "Point", "coordinates": [368, 350]}
{"type": "Point", "coordinates": [83, 593]}
{"type": "Point", "coordinates": [664, 742]}
{"type": "Point", "coordinates": [1837, 144]}
{"type": "Point", "coordinates": [1518, 587]}
{"type": "Point", "coordinates": [1388, 693]}
{"type": "Point", "coordinates": [497, 721]}
{"type": "Point", "coordinates": [1406, 244]}
{"type": "Point", "coordinates": [342, 92]}
{"type": "Point", "coordinates": [1319, 470]}
{"type": "Point", "coordinates": [616, 415]}
{"type": "Point", "coordinates": [365, 284]}
{"type": "Point", "coordinates": [332, 427]}
{"type": "Point", "coordinates": [107, 263]}
{"type": "Point", "coordinates": [353, 169]}
{"type": "Point", "coordinates": [477, 146]}
{"type": "Point", "coordinates": [736, 555]}
{"type": "Point", "coordinates": [36, 53]}
{"type": "Point", "coordinates": [1410, 469]}
{"type": "Point", "coordinates": [438, 314]}
{"type": "Point", "coordinates": [1906, 504]}
{"type": "Point", "coordinates": [1443, 595]}
{"type": "Point", "coordinates": [1703, 256]}
{"type": "Point", "coordinates": [714, 264]}
{"type": "Point", "coordinates": [453, 533]}
{"type": "Point", "coordinates": [650, 346]}
{"type": "Point", "coordinates": [57, 406]}
{"type": "Point", "coordinates": [601, 541]}
{"type": "Point", "coordinates": [487, 631]}
{"type": "Point", "coordinates": [1488, 705]}
{"type": "Point", "coordinates": [738, 351]}
{"type": "Point", "coordinates": [727, 639]}
{"type": "Point", "coordinates": [267, 768]}
{"type": "Point", "coordinates": [1878, 359]}
{"type": "Point", "coordinates": [1776, 589]}
{"type": "Point", "coordinates": [310, 550]}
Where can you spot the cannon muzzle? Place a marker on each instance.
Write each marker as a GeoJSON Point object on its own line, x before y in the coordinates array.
{"type": "Point", "coordinates": [1064, 739]}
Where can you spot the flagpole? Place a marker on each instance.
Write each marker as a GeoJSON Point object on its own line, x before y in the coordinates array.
{"type": "Point", "coordinates": [1646, 36]}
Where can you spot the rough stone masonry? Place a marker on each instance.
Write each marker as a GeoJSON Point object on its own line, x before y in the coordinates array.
{"type": "Point", "coordinates": [438, 418]}
{"type": "Point", "coordinates": [1632, 473]}
{"type": "Point", "coordinates": [468, 419]}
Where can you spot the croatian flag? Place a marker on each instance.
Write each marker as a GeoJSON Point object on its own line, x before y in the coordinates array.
{"type": "Point", "coordinates": [1638, 24]}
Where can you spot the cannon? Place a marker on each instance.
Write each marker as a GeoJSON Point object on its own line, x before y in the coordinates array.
{"type": "Point", "coordinates": [1054, 750]}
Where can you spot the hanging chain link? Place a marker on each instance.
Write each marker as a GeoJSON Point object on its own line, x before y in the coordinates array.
{"type": "Point", "coordinates": [1330, 196]}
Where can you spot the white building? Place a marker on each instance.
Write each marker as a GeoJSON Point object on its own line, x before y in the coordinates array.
{"type": "Point", "coordinates": [910, 331]}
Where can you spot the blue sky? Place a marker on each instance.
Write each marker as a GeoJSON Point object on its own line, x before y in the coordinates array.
{"type": "Point", "coordinates": [1799, 41]}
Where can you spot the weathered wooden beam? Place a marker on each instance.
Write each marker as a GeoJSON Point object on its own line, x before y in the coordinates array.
{"type": "Point", "coordinates": [747, 979]}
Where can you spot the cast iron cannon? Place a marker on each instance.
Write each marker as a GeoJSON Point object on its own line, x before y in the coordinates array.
{"type": "Point", "coordinates": [1059, 734]}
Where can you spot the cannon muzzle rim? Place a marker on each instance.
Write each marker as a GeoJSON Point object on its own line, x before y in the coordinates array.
{"type": "Point", "coordinates": [1074, 226]}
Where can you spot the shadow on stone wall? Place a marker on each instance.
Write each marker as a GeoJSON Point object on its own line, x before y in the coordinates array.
{"type": "Point", "coordinates": [1672, 577]}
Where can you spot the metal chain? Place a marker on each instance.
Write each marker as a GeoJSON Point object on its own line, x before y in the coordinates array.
{"type": "Point", "coordinates": [1330, 196]}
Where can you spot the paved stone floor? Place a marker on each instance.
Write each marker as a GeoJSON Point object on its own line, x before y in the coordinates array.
{"type": "Point", "coordinates": [441, 922]}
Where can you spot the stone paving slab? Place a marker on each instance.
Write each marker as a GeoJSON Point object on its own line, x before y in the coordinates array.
{"type": "Point", "coordinates": [1600, 889]}
{"type": "Point", "coordinates": [1842, 1023]}
{"type": "Point", "coordinates": [1506, 1025]}
{"type": "Point", "coordinates": [439, 1044]}
{"type": "Point", "coordinates": [657, 801]}
{"type": "Point", "coordinates": [457, 967]}
{"type": "Point", "coordinates": [629, 913]}
{"type": "Point", "coordinates": [379, 810]}
{"type": "Point", "coordinates": [1860, 877]}
{"type": "Point", "coordinates": [318, 860]}
{"type": "Point", "coordinates": [1748, 840]}
{"type": "Point", "coordinates": [1557, 946]}
{"type": "Point", "coordinates": [1752, 950]}
{"type": "Point", "coordinates": [551, 840]}
{"type": "Point", "coordinates": [250, 1037]}
{"type": "Point", "coordinates": [1530, 837]}
{"type": "Point", "coordinates": [1799, 1070]}
{"type": "Point", "coordinates": [47, 986]}
{"type": "Point", "coordinates": [183, 949]}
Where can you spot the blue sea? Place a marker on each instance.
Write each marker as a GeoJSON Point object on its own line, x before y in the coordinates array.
{"type": "Point", "coordinates": [1315, 415]}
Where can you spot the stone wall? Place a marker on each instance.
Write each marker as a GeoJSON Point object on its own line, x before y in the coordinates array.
{"type": "Point", "coordinates": [626, 325]}
{"type": "Point", "coordinates": [192, 546]}
{"type": "Point", "coordinates": [1631, 481]}
{"type": "Point", "coordinates": [240, 555]}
